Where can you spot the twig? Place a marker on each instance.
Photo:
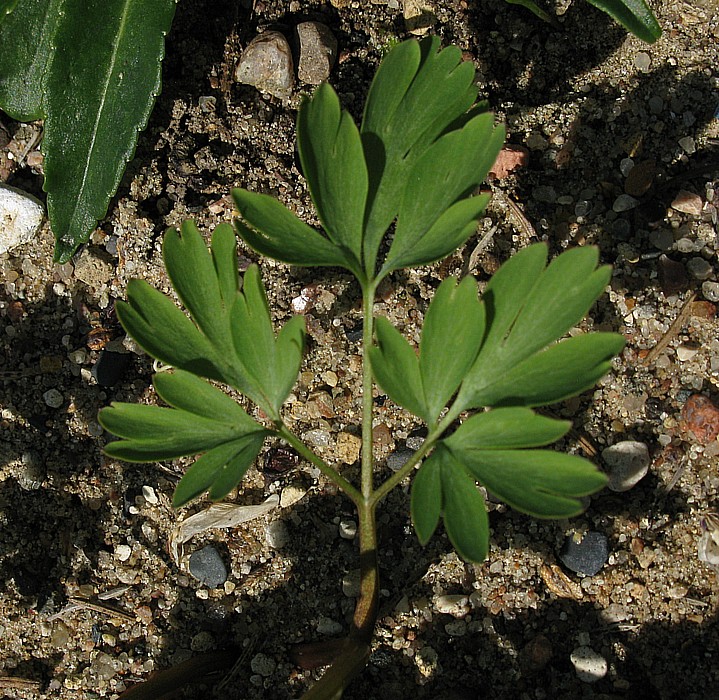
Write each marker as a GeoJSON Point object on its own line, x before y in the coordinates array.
{"type": "Point", "coordinates": [671, 331]}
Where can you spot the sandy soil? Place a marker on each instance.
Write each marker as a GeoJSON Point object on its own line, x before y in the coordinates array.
{"type": "Point", "coordinates": [588, 102]}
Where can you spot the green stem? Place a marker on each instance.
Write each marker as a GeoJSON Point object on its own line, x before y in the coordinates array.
{"type": "Point", "coordinates": [368, 292]}
{"type": "Point", "coordinates": [330, 472]}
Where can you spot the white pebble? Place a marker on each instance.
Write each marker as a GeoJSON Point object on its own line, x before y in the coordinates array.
{"type": "Point", "coordinates": [588, 664]}
{"type": "Point", "coordinates": [456, 605]}
{"type": "Point", "coordinates": [686, 352]}
{"type": "Point", "coordinates": [628, 463]}
{"type": "Point", "coordinates": [277, 534]}
{"type": "Point", "coordinates": [148, 493]}
{"type": "Point", "coordinates": [348, 529]}
{"type": "Point", "coordinates": [21, 216]}
{"type": "Point", "coordinates": [123, 552]}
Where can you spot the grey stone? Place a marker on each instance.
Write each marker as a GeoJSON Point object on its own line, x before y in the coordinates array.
{"type": "Point", "coordinates": [267, 64]}
{"type": "Point", "coordinates": [20, 217]}
{"type": "Point", "coordinates": [399, 458]}
{"type": "Point", "coordinates": [318, 52]}
{"type": "Point", "coordinates": [699, 268]}
{"type": "Point", "coordinates": [624, 202]}
{"type": "Point", "coordinates": [207, 567]}
{"type": "Point", "coordinates": [589, 665]}
{"type": "Point", "coordinates": [628, 463]}
{"type": "Point", "coordinates": [710, 290]}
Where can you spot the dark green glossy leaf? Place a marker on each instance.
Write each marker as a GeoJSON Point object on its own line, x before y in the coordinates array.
{"type": "Point", "coordinates": [26, 37]}
{"type": "Point", "coordinates": [102, 81]}
{"type": "Point", "coordinates": [416, 94]}
{"type": "Point", "coordinates": [396, 368]}
{"type": "Point", "coordinates": [562, 370]}
{"type": "Point", "coordinates": [6, 7]}
{"type": "Point", "coordinates": [426, 502]}
{"type": "Point", "coordinates": [219, 470]}
{"type": "Point", "coordinates": [465, 515]}
{"type": "Point", "coordinates": [542, 483]}
{"type": "Point", "coordinates": [272, 230]}
{"type": "Point", "coordinates": [334, 166]}
{"type": "Point", "coordinates": [633, 15]}
{"type": "Point", "coordinates": [447, 171]}
{"type": "Point", "coordinates": [505, 428]}
{"type": "Point", "coordinates": [451, 335]}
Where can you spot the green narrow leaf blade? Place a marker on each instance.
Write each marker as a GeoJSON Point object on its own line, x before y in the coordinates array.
{"type": "Point", "coordinates": [396, 368]}
{"type": "Point", "coordinates": [153, 433]}
{"type": "Point", "coordinates": [562, 370]}
{"type": "Point", "coordinates": [224, 258]}
{"type": "Point", "coordinates": [426, 499]}
{"type": "Point", "coordinates": [272, 230]}
{"type": "Point", "coordinates": [541, 483]}
{"type": "Point", "coordinates": [289, 348]}
{"type": "Point", "coordinates": [451, 336]}
{"type": "Point", "coordinates": [536, 10]}
{"type": "Point", "coordinates": [505, 428]}
{"type": "Point", "coordinates": [334, 167]}
{"type": "Point", "coordinates": [634, 15]}
{"type": "Point", "coordinates": [465, 515]}
{"type": "Point", "coordinates": [193, 274]}
{"type": "Point", "coordinates": [189, 393]}
{"type": "Point", "coordinates": [27, 36]}
{"type": "Point", "coordinates": [218, 470]}
{"type": "Point", "coordinates": [101, 84]}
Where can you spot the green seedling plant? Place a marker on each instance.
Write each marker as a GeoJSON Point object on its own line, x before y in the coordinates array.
{"type": "Point", "coordinates": [397, 192]}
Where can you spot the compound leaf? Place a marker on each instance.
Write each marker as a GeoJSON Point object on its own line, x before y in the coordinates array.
{"type": "Point", "coordinates": [446, 172]}
{"type": "Point", "coordinates": [417, 93]}
{"type": "Point", "coordinates": [103, 77]}
{"type": "Point", "coordinates": [451, 336]}
{"type": "Point", "coordinates": [272, 230]}
{"type": "Point", "coordinates": [333, 164]}
{"type": "Point", "coordinates": [633, 15]}
{"type": "Point", "coordinates": [528, 307]}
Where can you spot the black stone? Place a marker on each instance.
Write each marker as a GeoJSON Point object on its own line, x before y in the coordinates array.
{"type": "Point", "coordinates": [586, 556]}
{"type": "Point", "coordinates": [110, 367]}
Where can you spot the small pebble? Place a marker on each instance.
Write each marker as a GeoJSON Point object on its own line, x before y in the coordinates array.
{"type": "Point", "coordinates": [642, 62]}
{"type": "Point", "coordinates": [640, 178]}
{"type": "Point", "coordinates": [710, 290]}
{"type": "Point", "coordinates": [656, 104]}
{"type": "Point", "coordinates": [207, 567]}
{"type": "Point", "coordinates": [672, 275]}
{"type": "Point", "coordinates": [688, 145]}
{"type": "Point", "coordinates": [348, 529]}
{"type": "Point", "coordinates": [661, 238]}
{"type": "Point", "coordinates": [700, 417]}
{"type": "Point", "coordinates": [585, 554]}
{"type": "Point", "coordinates": [263, 665]}
{"type": "Point", "coordinates": [686, 352]}
{"type": "Point", "coordinates": [267, 64]}
{"type": "Point", "coordinates": [110, 367]}
{"type": "Point", "coordinates": [537, 653]}
{"type": "Point", "coordinates": [456, 605]}
{"type": "Point", "coordinates": [277, 534]}
{"type": "Point", "coordinates": [123, 552]}
{"type": "Point", "coordinates": [628, 463]}
{"type": "Point", "coordinates": [348, 448]}
{"type": "Point", "coordinates": [545, 193]}
{"type": "Point", "coordinates": [399, 458]}
{"type": "Point", "coordinates": [53, 398]}
{"type": "Point", "coordinates": [588, 664]}
{"type": "Point", "coordinates": [624, 202]}
{"type": "Point", "coordinates": [291, 494]}
{"type": "Point", "coordinates": [351, 583]}
{"type": "Point", "coordinates": [21, 216]}
{"type": "Point", "coordinates": [318, 52]}
{"type": "Point", "coordinates": [148, 493]}
{"type": "Point", "coordinates": [699, 268]}
{"type": "Point", "coordinates": [328, 627]}
{"type": "Point", "coordinates": [688, 203]}
{"type": "Point", "coordinates": [318, 437]}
